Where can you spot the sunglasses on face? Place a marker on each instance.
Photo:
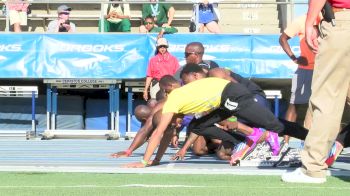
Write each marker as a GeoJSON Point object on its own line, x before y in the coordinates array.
{"type": "Point", "coordinates": [64, 13]}
{"type": "Point", "coordinates": [162, 46]}
{"type": "Point", "coordinates": [147, 23]}
{"type": "Point", "coordinates": [187, 54]}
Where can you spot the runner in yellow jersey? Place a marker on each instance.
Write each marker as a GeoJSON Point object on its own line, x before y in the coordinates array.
{"type": "Point", "coordinates": [218, 99]}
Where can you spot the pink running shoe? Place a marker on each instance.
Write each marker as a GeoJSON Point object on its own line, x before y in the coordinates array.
{"type": "Point", "coordinates": [240, 151]}
{"type": "Point", "coordinates": [243, 149]}
{"type": "Point", "coordinates": [255, 136]}
{"type": "Point", "coordinates": [334, 153]}
{"type": "Point", "coordinates": [272, 140]}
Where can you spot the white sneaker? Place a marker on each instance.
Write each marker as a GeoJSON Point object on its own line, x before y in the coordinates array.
{"type": "Point", "coordinates": [297, 176]}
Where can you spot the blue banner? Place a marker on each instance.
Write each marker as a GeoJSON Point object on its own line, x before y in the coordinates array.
{"type": "Point", "coordinates": [230, 51]}
{"type": "Point", "coordinates": [126, 55]}
{"type": "Point", "coordinates": [18, 55]}
{"type": "Point", "coordinates": [93, 56]}
{"type": "Point", "coordinates": [268, 58]}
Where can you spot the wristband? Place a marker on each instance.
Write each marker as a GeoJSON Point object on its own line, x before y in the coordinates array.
{"type": "Point", "coordinates": [232, 119]}
{"type": "Point", "coordinates": [128, 152]}
{"type": "Point", "coordinates": [293, 57]}
{"type": "Point", "coordinates": [145, 163]}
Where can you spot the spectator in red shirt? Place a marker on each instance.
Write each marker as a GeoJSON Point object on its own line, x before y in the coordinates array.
{"type": "Point", "coordinates": [163, 63]}
{"type": "Point", "coordinates": [17, 13]}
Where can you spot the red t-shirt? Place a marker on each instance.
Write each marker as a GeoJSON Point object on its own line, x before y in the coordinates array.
{"type": "Point", "coordinates": [161, 65]}
{"type": "Point", "coordinates": [340, 3]}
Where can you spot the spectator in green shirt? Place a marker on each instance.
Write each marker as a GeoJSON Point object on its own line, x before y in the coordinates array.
{"type": "Point", "coordinates": [151, 28]}
{"type": "Point", "coordinates": [162, 13]}
{"type": "Point", "coordinates": [116, 17]}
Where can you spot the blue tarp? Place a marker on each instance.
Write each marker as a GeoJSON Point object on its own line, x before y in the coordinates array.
{"type": "Point", "coordinates": [97, 116]}
{"type": "Point", "coordinates": [126, 55]}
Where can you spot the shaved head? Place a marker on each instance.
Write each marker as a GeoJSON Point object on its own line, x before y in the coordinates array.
{"type": "Point", "coordinates": [220, 73]}
{"type": "Point", "coordinates": [194, 52]}
{"type": "Point", "coordinates": [195, 47]}
{"type": "Point", "coordinates": [142, 112]}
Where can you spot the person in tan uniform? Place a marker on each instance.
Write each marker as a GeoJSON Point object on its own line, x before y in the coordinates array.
{"type": "Point", "coordinates": [330, 88]}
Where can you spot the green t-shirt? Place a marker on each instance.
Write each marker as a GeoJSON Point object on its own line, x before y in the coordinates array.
{"type": "Point", "coordinates": [168, 30]}
{"type": "Point", "coordinates": [159, 11]}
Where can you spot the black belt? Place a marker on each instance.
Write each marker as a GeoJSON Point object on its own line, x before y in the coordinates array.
{"type": "Point", "coordinates": [154, 82]}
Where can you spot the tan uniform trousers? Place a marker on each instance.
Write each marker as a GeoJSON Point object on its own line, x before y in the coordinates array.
{"type": "Point", "coordinates": [330, 89]}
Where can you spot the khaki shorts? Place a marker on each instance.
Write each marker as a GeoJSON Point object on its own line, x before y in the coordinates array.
{"type": "Point", "coordinates": [18, 17]}
{"type": "Point", "coordinates": [154, 90]}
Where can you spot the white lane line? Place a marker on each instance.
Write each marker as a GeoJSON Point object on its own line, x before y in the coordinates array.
{"type": "Point", "coordinates": [161, 186]}
{"type": "Point", "coordinates": [175, 186]}
{"type": "Point", "coordinates": [170, 166]}
{"type": "Point", "coordinates": [107, 168]}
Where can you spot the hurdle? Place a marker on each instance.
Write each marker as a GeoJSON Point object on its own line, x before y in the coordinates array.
{"type": "Point", "coordinates": [132, 87]}
{"type": "Point", "coordinates": [112, 85]}
{"type": "Point", "coordinates": [20, 92]}
{"type": "Point", "coordinates": [276, 95]}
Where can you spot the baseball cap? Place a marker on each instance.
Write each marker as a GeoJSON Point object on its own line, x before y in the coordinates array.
{"type": "Point", "coordinates": [162, 42]}
{"type": "Point", "coordinates": [63, 9]}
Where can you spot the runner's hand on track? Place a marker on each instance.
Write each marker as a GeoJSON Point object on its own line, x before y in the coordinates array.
{"type": "Point", "coordinates": [135, 165]}
{"type": "Point", "coordinates": [120, 154]}
{"type": "Point", "coordinates": [179, 155]}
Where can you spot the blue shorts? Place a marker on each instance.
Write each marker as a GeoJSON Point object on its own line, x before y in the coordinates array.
{"type": "Point", "coordinates": [186, 121]}
{"type": "Point", "coordinates": [301, 86]}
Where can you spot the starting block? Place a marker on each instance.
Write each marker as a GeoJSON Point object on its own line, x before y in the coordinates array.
{"type": "Point", "coordinates": [288, 158]}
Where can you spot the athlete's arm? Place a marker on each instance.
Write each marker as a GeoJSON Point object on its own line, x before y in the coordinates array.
{"type": "Point", "coordinates": [155, 139]}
